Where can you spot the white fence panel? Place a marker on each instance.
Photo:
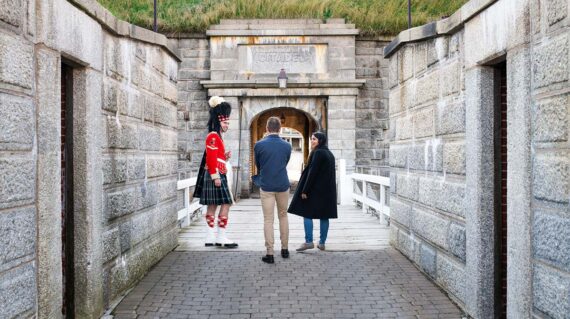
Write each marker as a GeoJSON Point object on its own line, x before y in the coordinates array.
{"type": "Point", "coordinates": [348, 194]}
{"type": "Point", "coordinates": [185, 214]}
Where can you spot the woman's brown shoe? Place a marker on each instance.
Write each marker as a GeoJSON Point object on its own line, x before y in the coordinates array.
{"type": "Point", "coordinates": [306, 246]}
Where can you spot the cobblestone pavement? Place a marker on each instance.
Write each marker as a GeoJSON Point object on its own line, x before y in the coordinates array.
{"type": "Point", "coordinates": [318, 284]}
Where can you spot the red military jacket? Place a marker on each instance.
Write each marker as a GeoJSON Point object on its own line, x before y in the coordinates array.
{"type": "Point", "coordinates": [215, 155]}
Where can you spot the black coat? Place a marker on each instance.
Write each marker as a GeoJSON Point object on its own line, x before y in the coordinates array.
{"type": "Point", "coordinates": [318, 181]}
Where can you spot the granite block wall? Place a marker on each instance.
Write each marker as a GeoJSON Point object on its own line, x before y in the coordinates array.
{"type": "Point", "coordinates": [124, 122]}
{"type": "Point", "coordinates": [442, 104]}
{"type": "Point", "coordinates": [372, 120]}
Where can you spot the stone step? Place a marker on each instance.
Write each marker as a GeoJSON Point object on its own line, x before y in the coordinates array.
{"type": "Point", "coordinates": [271, 21]}
{"type": "Point", "coordinates": [281, 32]}
{"type": "Point", "coordinates": [281, 26]}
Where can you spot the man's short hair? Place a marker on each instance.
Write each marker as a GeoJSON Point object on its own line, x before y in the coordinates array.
{"type": "Point", "coordinates": [273, 124]}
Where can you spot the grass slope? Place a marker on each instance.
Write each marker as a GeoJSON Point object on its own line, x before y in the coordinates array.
{"type": "Point", "coordinates": [372, 17]}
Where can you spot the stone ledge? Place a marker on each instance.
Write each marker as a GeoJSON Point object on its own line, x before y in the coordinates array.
{"type": "Point", "coordinates": [283, 32]}
{"type": "Point", "coordinates": [257, 84]}
{"type": "Point", "coordinates": [122, 28]}
{"type": "Point", "coordinates": [442, 27]}
{"type": "Point", "coordinates": [275, 26]}
{"type": "Point", "coordinates": [283, 22]}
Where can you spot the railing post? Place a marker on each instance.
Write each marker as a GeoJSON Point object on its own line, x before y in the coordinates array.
{"type": "Point", "coordinates": [346, 184]}
{"type": "Point", "coordinates": [187, 204]}
{"type": "Point", "coordinates": [383, 202]}
{"type": "Point", "coordinates": [364, 206]}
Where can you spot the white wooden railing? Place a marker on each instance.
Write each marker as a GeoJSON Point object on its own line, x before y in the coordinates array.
{"type": "Point", "coordinates": [190, 210]}
{"type": "Point", "coordinates": [369, 205]}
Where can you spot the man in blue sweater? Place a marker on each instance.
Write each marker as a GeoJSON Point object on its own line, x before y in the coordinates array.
{"type": "Point", "coordinates": [271, 157]}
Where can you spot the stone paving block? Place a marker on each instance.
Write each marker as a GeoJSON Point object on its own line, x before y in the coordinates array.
{"type": "Point", "coordinates": [16, 123]}
{"type": "Point", "coordinates": [16, 61]}
{"type": "Point", "coordinates": [122, 202]}
{"type": "Point", "coordinates": [430, 226]}
{"type": "Point", "coordinates": [406, 63]}
{"type": "Point", "coordinates": [451, 276]}
{"type": "Point", "coordinates": [111, 244]}
{"type": "Point", "coordinates": [551, 177]}
{"type": "Point", "coordinates": [456, 241]}
{"type": "Point", "coordinates": [408, 186]}
{"type": "Point", "coordinates": [18, 286]}
{"type": "Point", "coordinates": [393, 78]}
{"type": "Point", "coordinates": [149, 138]}
{"type": "Point", "coordinates": [550, 62]}
{"type": "Point", "coordinates": [428, 87]}
{"type": "Point", "coordinates": [451, 198]}
{"type": "Point", "coordinates": [420, 58]}
{"type": "Point", "coordinates": [450, 79]}
{"type": "Point", "coordinates": [424, 123]}
{"type": "Point", "coordinates": [17, 234]}
{"type": "Point", "coordinates": [377, 282]}
{"type": "Point", "coordinates": [551, 120]}
{"type": "Point", "coordinates": [122, 134]}
{"type": "Point", "coordinates": [551, 239]}
{"type": "Point", "coordinates": [449, 117]}
{"type": "Point", "coordinates": [114, 96]}
{"type": "Point", "coordinates": [17, 182]}
{"type": "Point", "coordinates": [117, 57]}
{"type": "Point", "coordinates": [399, 155]}
{"type": "Point", "coordinates": [429, 188]}
{"type": "Point", "coordinates": [550, 291]}
{"type": "Point", "coordinates": [454, 158]}
{"type": "Point", "coordinates": [556, 10]}
{"type": "Point", "coordinates": [148, 195]}
{"type": "Point", "coordinates": [405, 128]}
{"type": "Point", "coordinates": [114, 170]}
{"type": "Point", "coordinates": [400, 211]}
{"type": "Point", "coordinates": [136, 168]}
{"type": "Point", "coordinates": [428, 259]}
{"type": "Point", "coordinates": [12, 12]}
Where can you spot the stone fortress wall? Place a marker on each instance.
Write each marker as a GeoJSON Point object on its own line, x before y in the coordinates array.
{"type": "Point", "coordinates": [140, 111]}
{"type": "Point", "coordinates": [124, 154]}
{"type": "Point", "coordinates": [369, 138]}
{"type": "Point", "coordinates": [443, 80]}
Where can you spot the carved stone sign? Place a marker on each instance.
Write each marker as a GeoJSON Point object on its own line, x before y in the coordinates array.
{"type": "Point", "coordinates": [294, 58]}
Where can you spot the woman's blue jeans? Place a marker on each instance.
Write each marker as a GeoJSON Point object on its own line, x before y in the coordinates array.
{"type": "Point", "coordinates": [309, 230]}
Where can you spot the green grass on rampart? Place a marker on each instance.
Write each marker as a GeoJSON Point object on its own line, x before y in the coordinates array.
{"type": "Point", "coordinates": [372, 17]}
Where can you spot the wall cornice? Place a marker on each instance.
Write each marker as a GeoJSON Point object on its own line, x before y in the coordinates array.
{"type": "Point", "coordinates": [122, 28]}
{"type": "Point", "coordinates": [442, 27]}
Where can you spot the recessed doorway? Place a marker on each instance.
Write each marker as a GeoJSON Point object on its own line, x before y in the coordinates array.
{"type": "Point", "coordinates": [296, 128]}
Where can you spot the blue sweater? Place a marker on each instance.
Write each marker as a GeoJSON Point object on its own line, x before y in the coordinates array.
{"type": "Point", "coordinates": [271, 157]}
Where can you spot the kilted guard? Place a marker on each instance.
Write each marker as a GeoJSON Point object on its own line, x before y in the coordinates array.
{"type": "Point", "coordinates": [212, 186]}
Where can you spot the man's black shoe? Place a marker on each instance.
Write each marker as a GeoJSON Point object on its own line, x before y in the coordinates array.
{"type": "Point", "coordinates": [285, 253]}
{"type": "Point", "coordinates": [268, 259]}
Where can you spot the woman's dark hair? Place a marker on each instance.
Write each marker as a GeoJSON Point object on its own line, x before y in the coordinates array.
{"type": "Point", "coordinates": [322, 139]}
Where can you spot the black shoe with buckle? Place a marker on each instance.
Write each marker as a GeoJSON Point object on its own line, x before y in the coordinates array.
{"type": "Point", "coordinates": [285, 253]}
{"type": "Point", "coordinates": [268, 259]}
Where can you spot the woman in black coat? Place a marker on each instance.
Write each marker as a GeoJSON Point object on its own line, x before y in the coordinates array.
{"type": "Point", "coordinates": [315, 197]}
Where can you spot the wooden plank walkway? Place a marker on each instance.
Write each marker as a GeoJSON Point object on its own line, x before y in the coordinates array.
{"type": "Point", "coordinates": [352, 231]}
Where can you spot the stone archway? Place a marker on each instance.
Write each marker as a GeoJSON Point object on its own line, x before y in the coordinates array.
{"type": "Point", "coordinates": [303, 114]}
{"type": "Point", "coordinates": [290, 118]}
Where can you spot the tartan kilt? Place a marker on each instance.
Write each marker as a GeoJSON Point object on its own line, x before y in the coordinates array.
{"type": "Point", "coordinates": [212, 195]}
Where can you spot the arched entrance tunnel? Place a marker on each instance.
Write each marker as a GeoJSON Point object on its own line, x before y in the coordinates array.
{"type": "Point", "coordinates": [300, 117]}
{"type": "Point", "coordinates": [296, 128]}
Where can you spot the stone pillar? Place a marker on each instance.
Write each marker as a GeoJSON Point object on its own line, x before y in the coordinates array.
{"type": "Point", "coordinates": [48, 103]}
{"type": "Point", "coordinates": [519, 181]}
{"type": "Point", "coordinates": [479, 194]}
{"type": "Point", "coordinates": [341, 127]}
{"type": "Point", "coordinates": [87, 85]}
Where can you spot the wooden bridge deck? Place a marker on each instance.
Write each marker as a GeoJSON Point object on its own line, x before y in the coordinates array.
{"type": "Point", "coordinates": [352, 231]}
